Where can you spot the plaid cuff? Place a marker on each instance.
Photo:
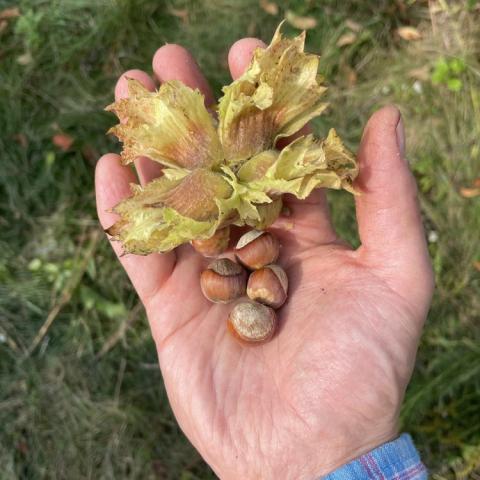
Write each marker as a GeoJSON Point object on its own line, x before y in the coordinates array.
{"type": "Point", "coordinates": [397, 460]}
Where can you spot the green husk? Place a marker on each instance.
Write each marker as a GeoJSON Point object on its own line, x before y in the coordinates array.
{"type": "Point", "coordinates": [226, 171]}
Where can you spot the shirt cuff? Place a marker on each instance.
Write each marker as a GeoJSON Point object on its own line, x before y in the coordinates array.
{"type": "Point", "coordinates": [396, 460]}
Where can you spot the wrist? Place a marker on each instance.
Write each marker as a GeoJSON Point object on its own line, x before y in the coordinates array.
{"type": "Point", "coordinates": [312, 460]}
{"type": "Point", "coordinates": [390, 461]}
{"type": "Point", "coordinates": [335, 453]}
{"type": "Point", "coordinates": [354, 448]}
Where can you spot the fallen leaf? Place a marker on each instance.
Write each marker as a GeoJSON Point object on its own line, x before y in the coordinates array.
{"type": "Point", "coordinates": [467, 192]}
{"type": "Point", "coordinates": [346, 39]}
{"type": "Point", "coordinates": [21, 139]}
{"type": "Point", "coordinates": [352, 25]}
{"type": "Point", "coordinates": [476, 182]}
{"type": "Point", "coordinates": [421, 73]}
{"type": "Point", "coordinates": [22, 447]}
{"type": "Point", "coordinates": [476, 264]}
{"type": "Point", "coordinates": [181, 13]}
{"type": "Point", "coordinates": [269, 7]}
{"type": "Point", "coordinates": [302, 23]}
{"type": "Point", "coordinates": [9, 13]}
{"type": "Point", "coordinates": [409, 33]}
{"type": "Point", "coordinates": [62, 141]}
{"type": "Point", "coordinates": [435, 8]}
{"type": "Point", "coordinates": [25, 59]}
{"type": "Point", "coordinates": [351, 77]}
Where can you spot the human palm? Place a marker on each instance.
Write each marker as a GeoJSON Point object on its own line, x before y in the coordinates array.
{"type": "Point", "coordinates": [329, 385]}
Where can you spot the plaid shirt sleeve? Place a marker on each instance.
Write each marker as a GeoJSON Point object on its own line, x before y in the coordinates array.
{"type": "Point", "coordinates": [396, 460]}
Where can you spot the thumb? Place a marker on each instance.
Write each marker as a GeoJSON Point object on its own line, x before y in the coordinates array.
{"type": "Point", "coordinates": [388, 213]}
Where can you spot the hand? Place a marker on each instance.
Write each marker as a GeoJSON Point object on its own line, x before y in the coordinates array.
{"type": "Point", "coordinates": [329, 386]}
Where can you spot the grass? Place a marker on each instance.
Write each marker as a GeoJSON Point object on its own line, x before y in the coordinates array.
{"type": "Point", "coordinates": [68, 412]}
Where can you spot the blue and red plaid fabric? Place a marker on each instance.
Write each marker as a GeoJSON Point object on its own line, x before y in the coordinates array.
{"type": "Point", "coordinates": [396, 460]}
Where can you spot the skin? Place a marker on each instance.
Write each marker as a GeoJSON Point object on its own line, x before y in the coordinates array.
{"type": "Point", "coordinates": [329, 385]}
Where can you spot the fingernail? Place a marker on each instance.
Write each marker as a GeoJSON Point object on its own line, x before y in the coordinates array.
{"type": "Point", "coordinates": [400, 131]}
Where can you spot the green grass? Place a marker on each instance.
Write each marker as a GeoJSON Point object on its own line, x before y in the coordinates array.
{"type": "Point", "coordinates": [65, 412]}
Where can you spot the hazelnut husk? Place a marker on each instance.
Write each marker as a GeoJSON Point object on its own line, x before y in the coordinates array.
{"type": "Point", "coordinates": [268, 285]}
{"type": "Point", "coordinates": [255, 249]}
{"type": "Point", "coordinates": [223, 281]}
{"type": "Point", "coordinates": [215, 245]}
{"type": "Point", "coordinates": [252, 322]}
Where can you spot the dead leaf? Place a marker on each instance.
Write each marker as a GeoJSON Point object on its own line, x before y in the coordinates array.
{"type": "Point", "coordinates": [435, 8]}
{"type": "Point", "coordinates": [351, 77]}
{"type": "Point", "coordinates": [467, 192]}
{"type": "Point", "coordinates": [21, 139]}
{"type": "Point", "coordinates": [181, 13]}
{"type": "Point", "coordinates": [25, 59]}
{"type": "Point", "coordinates": [22, 447]}
{"type": "Point", "coordinates": [409, 33]}
{"type": "Point", "coordinates": [9, 13]}
{"type": "Point", "coordinates": [302, 23]}
{"type": "Point", "coordinates": [352, 25]}
{"type": "Point", "coordinates": [476, 182]}
{"type": "Point", "coordinates": [62, 141]}
{"type": "Point", "coordinates": [421, 73]}
{"type": "Point", "coordinates": [476, 264]}
{"type": "Point", "coordinates": [269, 7]}
{"type": "Point", "coordinates": [346, 39]}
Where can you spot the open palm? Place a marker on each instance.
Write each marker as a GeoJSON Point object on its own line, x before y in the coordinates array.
{"type": "Point", "coordinates": [329, 386]}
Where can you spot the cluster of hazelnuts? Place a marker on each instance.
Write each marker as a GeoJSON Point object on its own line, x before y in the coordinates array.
{"type": "Point", "coordinates": [255, 283]}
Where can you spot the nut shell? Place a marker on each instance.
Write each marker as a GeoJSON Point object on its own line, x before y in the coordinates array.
{"type": "Point", "coordinates": [256, 249]}
{"type": "Point", "coordinates": [223, 281]}
{"type": "Point", "coordinates": [215, 245]}
{"type": "Point", "coordinates": [268, 285]}
{"type": "Point", "coordinates": [252, 322]}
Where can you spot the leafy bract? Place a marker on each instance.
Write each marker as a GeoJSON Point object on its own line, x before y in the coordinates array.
{"type": "Point", "coordinates": [171, 126]}
{"type": "Point", "coordinates": [306, 164]}
{"type": "Point", "coordinates": [277, 95]}
{"type": "Point", "coordinates": [168, 212]}
{"type": "Point", "coordinates": [226, 171]}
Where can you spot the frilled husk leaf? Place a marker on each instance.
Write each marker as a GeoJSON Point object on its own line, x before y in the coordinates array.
{"type": "Point", "coordinates": [300, 167]}
{"type": "Point", "coordinates": [170, 211]}
{"type": "Point", "coordinates": [277, 95]}
{"type": "Point", "coordinates": [233, 174]}
{"type": "Point", "coordinates": [303, 165]}
{"type": "Point", "coordinates": [171, 126]}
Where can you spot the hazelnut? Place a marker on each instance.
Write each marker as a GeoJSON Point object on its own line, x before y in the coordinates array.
{"type": "Point", "coordinates": [215, 245]}
{"type": "Point", "coordinates": [268, 285]}
{"type": "Point", "coordinates": [256, 249]}
{"type": "Point", "coordinates": [252, 322]}
{"type": "Point", "coordinates": [223, 281]}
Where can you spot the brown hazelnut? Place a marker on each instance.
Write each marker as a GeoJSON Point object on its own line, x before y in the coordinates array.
{"type": "Point", "coordinates": [252, 322]}
{"type": "Point", "coordinates": [256, 249]}
{"type": "Point", "coordinates": [215, 245]}
{"type": "Point", "coordinates": [268, 285]}
{"type": "Point", "coordinates": [223, 281]}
